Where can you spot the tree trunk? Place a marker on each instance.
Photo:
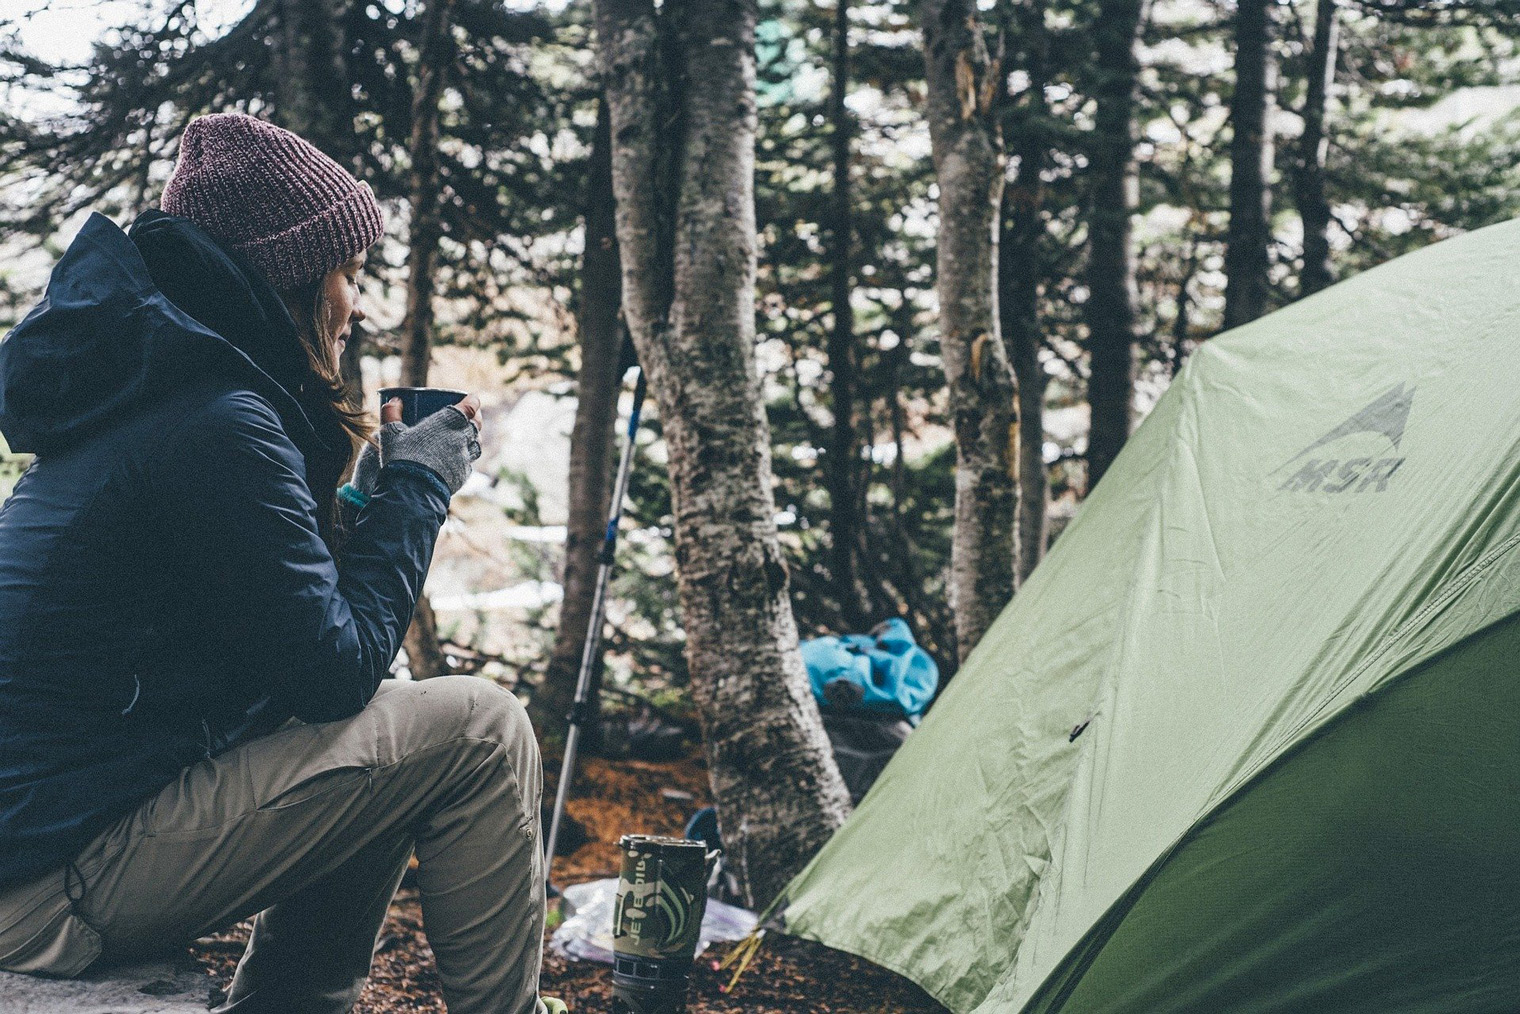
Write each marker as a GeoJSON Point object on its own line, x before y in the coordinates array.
{"type": "Point", "coordinates": [844, 450]}
{"type": "Point", "coordinates": [1019, 270]}
{"type": "Point", "coordinates": [423, 232]}
{"type": "Point", "coordinates": [424, 652]}
{"type": "Point", "coordinates": [1111, 265]}
{"type": "Point", "coordinates": [314, 99]}
{"type": "Point", "coordinates": [1246, 259]}
{"type": "Point", "coordinates": [778, 792]}
{"type": "Point", "coordinates": [963, 131]}
{"type": "Point", "coordinates": [313, 95]}
{"type": "Point", "coordinates": [426, 190]}
{"type": "Point", "coordinates": [1309, 177]}
{"type": "Point", "coordinates": [1034, 486]}
{"type": "Point", "coordinates": [591, 443]}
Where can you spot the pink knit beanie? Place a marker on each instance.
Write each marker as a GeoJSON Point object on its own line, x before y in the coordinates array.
{"type": "Point", "coordinates": [272, 197]}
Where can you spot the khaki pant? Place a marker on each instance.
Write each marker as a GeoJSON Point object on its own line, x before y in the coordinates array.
{"type": "Point", "coordinates": [311, 828]}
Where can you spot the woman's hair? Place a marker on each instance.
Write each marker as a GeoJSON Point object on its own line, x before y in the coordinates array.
{"type": "Point", "coordinates": [326, 393]}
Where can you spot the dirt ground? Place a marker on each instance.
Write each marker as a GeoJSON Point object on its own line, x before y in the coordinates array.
{"type": "Point", "coordinates": [612, 798]}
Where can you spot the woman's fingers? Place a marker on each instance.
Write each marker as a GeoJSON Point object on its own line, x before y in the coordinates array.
{"type": "Point", "coordinates": [470, 406]}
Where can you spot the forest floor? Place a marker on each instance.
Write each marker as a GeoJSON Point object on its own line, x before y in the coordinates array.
{"type": "Point", "coordinates": [613, 798]}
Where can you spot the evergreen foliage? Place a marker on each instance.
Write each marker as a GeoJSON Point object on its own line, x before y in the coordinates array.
{"type": "Point", "coordinates": [1413, 156]}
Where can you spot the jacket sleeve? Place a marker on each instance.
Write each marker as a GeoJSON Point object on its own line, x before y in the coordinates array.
{"type": "Point", "coordinates": [237, 495]}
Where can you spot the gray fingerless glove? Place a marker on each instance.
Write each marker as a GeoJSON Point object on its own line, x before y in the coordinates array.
{"type": "Point", "coordinates": [366, 470]}
{"type": "Point", "coordinates": [444, 442]}
{"type": "Point", "coordinates": [354, 494]}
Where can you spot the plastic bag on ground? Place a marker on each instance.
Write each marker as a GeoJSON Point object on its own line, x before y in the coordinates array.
{"type": "Point", "coordinates": [586, 935]}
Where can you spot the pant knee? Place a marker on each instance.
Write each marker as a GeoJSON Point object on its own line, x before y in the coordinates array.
{"type": "Point", "coordinates": [496, 712]}
{"type": "Point", "coordinates": [470, 721]}
{"type": "Point", "coordinates": [473, 708]}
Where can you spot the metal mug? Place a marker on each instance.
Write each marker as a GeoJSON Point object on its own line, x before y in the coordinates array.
{"type": "Point", "coordinates": [417, 403]}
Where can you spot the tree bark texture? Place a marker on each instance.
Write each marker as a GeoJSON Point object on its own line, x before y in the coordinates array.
{"type": "Point", "coordinates": [963, 81]}
{"type": "Point", "coordinates": [1309, 177]}
{"type": "Point", "coordinates": [843, 473]}
{"type": "Point", "coordinates": [1246, 256]}
{"type": "Point", "coordinates": [778, 792]}
{"type": "Point", "coordinates": [314, 97]}
{"type": "Point", "coordinates": [424, 229]}
{"type": "Point", "coordinates": [1110, 309]}
{"type": "Point", "coordinates": [424, 652]}
{"type": "Point", "coordinates": [1034, 485]}
{"type": "Point", "coordinates": [1019, 270]}
{"type": "Point", "coordinates": [425, 187]}
{"type": "Point", "coordinates": [592, 442]}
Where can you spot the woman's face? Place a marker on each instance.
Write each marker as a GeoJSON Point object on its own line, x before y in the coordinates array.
{"type": "Point", "coordinates": [340, 302]}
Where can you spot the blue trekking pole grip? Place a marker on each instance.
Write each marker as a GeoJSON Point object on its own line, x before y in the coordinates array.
{"type": "Point", "coordinates": [609, 537]}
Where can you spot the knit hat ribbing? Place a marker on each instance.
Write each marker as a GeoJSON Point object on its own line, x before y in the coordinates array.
{"type": "Point", "coordinates": [271, 196]}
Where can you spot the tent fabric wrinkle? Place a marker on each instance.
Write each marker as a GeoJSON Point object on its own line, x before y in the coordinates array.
{"type": "Point", "coordinates": [1276, 624]}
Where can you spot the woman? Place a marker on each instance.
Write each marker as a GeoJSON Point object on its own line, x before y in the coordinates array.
{"type": "Point", "coordinates": [193, 723]}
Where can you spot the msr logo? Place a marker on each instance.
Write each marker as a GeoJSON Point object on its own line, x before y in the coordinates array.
{"type": "Point", "coordinates": [1359, 467]}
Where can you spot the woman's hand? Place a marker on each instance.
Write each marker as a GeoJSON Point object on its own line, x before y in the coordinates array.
{"type": "Point", "coordinates": [444, 442]}
{"type": "Point", "coordinates": [470, 406]}
{"type": "Point", "coordinates": [391, 411]}
{"type": "Point", "coordinates": [367, 469]}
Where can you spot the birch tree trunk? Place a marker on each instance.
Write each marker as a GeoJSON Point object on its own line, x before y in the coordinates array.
{"type": "Point", "coordinates": [1246, 259]}
{"type": "Point", "coordinates": [844, 449]}
{"type": "Point", "coordinates": [424, 654]}
{"type": "Point", "coordinates": [1019, 270]}
{"type": "Point", "coordinates": [1309, 177]}
{"type": "Point", "coordinates": [963, 132]}
{"type": "Point", "coordinates": [778, 792]}
{"type": "Point", "coordinates": [1110, 309]}
{"type": "Point", "coordinates": [591, 443]}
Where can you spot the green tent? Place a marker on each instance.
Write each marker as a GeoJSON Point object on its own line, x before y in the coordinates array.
{"type": "Point", "coordinates": [1249, 738]}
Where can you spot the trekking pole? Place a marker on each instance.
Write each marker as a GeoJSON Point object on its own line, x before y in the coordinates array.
{"type": "Point", "coordinates": [581, 710]}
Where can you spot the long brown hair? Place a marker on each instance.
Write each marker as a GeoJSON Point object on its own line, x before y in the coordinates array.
{"type": "Point", "coordinates": [326, 393]}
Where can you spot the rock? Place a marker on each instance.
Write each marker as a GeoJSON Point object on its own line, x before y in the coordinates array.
{"type": "Point", "coordinates": [166, 986]}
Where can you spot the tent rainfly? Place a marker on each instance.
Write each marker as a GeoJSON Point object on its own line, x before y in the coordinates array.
{"type": "Point", "coordinates": [1248, 740]}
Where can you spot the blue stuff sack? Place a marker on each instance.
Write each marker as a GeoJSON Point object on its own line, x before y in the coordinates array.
{"type": "Point", "coordinates": [884, 672]}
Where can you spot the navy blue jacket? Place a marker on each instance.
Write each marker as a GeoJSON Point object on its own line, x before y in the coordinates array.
{"type": "Point", "coordinates": [164, 590]}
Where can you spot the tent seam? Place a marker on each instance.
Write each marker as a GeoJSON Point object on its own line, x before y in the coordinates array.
{"type": "Point", "coordinates": [1185, 385]}
{"type": "Point", "coordinates": [1285, 745]}
{"type": "Point", "coordinates": [1455, 587]}
{"type": "Point", "coordinates": [1126, 901]}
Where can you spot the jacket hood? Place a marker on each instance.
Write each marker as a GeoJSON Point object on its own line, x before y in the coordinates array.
{"type": "Point", "coordinates": [129, 316]}
{"type": "Point", "coordinates": [220, 289]}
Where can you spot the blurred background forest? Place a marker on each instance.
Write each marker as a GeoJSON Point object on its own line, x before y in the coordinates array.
{"type": "Point", "coordinates": [1170, 168]}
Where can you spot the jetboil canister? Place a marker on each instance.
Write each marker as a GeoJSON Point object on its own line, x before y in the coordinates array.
{"type": "Point", "coordinates": [656, 921]}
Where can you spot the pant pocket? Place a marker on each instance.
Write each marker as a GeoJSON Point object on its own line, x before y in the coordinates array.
{"type": "Point", "coordinates": [347, 780]}
{"type": "Point", "coordinates": [49, 940]}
